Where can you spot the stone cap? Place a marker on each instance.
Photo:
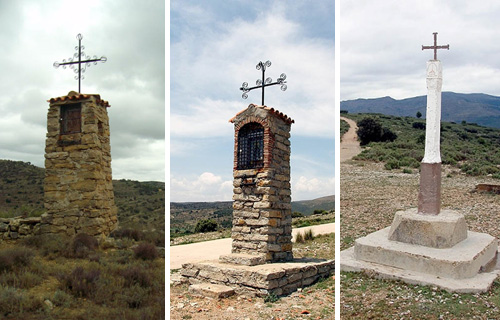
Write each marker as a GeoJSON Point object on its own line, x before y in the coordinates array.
{"type": "Point", "coordinates": [276, 112]}
{"type": "Point", "coordinates": [75, 96]}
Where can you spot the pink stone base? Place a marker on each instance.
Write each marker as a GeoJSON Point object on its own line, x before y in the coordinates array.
{"type": "Point", "coordinates": [429, 197]}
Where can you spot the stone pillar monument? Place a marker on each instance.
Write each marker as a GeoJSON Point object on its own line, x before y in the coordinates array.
{"type": "Point", "coordinates": [78, 188]}
{"type": "Point", "coordinates": [427, 245]}
{"type": "Point", "coordinates": [262, 218]}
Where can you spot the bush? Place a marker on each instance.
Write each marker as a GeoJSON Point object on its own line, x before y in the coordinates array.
{"type": "Point", "coordinates": [297, 214]}
{"type": "Point", "coordinates": [299, 238]}
{"type": "Point", "coordinates": [418, 125]}
{"type": "Point", "coordinates": [82, 245]}
{"type": "Point", "coordinates": [136, 275]}
{"type": "Point", "coordinates": [320, 211]}
{"type": "Point", "coordinates": [15, 257]}
{"type": "Point", "coordinates": [81, 283]}
{"type": "Point", "coordinates": [146, 251]}
{"type": "Point", "coordinates": [369, 130]}
{"type": "Point", "coordinates": [206, 226]}
{"type": "Point", "coordinates": [135, 234]}
{"type": "Point", "coordinates": [419, 114]}
{"type": "Point", "coordinates": [308, 235]}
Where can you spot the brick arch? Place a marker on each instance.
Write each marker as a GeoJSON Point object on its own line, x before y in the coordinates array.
{"type": "Point", "coordinates": [268, 140]}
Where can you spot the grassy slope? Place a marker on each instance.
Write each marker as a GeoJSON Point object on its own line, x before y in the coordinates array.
{"type": "Point", "coordinates": [140, 204]}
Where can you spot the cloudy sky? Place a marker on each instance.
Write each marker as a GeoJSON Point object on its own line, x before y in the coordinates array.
{"type": "Point", "coordinates": [381, 53]}
{"type": "Point", "coordinates": [131, 34]}
{"type": "Point", "coordinates": [214, 48]}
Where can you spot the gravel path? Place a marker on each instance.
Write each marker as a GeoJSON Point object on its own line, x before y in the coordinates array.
{"type": "Point", "coordinates": [349, 146]}
{"type": "Point", "coordinates": [211, 250]}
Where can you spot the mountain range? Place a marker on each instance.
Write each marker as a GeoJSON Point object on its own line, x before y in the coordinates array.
{"type": "Point", "coordinates": [477, 108]}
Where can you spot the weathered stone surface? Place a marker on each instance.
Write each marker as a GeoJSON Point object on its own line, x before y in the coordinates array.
{"type": "Point", "coordinates": [214, 291]}
{"type": "Point", "coordinates": [437, 231]}
{"type": "Point", "coordinates": [277, 278]}
{"type": "Point", "coordinates": [78, 181]}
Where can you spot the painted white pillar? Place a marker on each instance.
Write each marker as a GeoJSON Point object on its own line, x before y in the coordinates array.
{"type": "Point", "coordinates": [433, 117]}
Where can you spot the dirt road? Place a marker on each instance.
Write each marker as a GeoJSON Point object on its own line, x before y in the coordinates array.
{"type": "Point", "coordinates": [349, 146]}
{"type": "Point", "coordinates": [211, 250]}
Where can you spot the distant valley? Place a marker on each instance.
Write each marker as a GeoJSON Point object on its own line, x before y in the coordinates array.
{"type": "Point", "coordinates": [477, 108]}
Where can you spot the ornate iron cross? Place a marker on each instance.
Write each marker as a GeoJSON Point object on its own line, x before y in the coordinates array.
{"type": "Point", "coordinates": [435, 46]}
{"type": "Point", "coordinates": [263, 83]}
{"type": "Point", "coordinates": [77, 59]}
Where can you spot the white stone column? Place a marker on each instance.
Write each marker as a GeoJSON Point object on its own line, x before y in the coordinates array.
{"type": "Point", "coordinates": [433, 117]}
{"type": "Point", "coordinates": [429, 197]}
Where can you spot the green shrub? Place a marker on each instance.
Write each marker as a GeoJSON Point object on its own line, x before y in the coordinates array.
{"type": "Point", "coordinates": [206, 226]}
{"type": "Point", "coordinates": [297, 214]}
{"type": "Point", "coordinates": [62, 299]}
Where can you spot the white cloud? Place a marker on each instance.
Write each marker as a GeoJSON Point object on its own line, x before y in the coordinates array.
{"type": "Point", "coordinates": [305, 188]}
{"type": "Point", "coordinates": [380, 46]}
{"type": "Point", "coordinates": [205, 187]}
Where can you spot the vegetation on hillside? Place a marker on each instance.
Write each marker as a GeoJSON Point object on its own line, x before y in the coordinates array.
{"type": "Point", "coordinates": [141, 205]}
{"type": "Point", "coordinates": [344, 127]}
{"type": "Point", "coordinates": [53, 277]}
{"type": "Point", "coordinates": [467, 146]}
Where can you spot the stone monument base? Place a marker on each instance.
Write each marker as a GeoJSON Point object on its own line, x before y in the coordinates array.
{"type": "Point", "coordinates": [467, 266]}
{"type": "Point", "coordinates": [438, 231]}
{"type": "Point", "coordinates": [259, 280]}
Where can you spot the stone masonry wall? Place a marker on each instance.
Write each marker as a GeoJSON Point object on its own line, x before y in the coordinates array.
{"type": "Point", "coordinates": [78, 189]}
{"type": "Point", "coordinates": [262, 220]}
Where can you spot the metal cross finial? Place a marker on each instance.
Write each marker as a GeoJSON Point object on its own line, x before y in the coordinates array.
{"type": "Point", "coordinates": [263, 83]}
{"type": "Point", "coordinates": [435, 46]}
{"type": "Point", "coordinates": [78, 60]}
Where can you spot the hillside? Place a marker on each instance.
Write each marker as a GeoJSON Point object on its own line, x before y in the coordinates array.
{"type": "Point", "coordinates": [477, 108]}
{"type": "Point", "coordinates": [140, 204]}
{"type": "Point", "coordinates": [185, 215]}
{"type": "Point", "coordinates": [471, 148]}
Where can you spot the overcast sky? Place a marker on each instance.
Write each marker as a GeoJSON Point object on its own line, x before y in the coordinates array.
{"type": "Point", "coordinates": [131, 34]}
{"type": "Point", "coordinates": [381, 46]}
{"type": "Point", "coordinates": [214, 48]}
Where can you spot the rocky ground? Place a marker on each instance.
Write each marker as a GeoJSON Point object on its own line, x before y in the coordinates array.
{"type": "Point", "coordinates": [370, 195]}
{"type": "Point", "coordinates": [314, 302]}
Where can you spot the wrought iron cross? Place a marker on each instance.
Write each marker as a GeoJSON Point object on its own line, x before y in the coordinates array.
{"type": "Point", "coordinates": [78, 60]}
{"type": "Point", "coordinates": [263, 83]}
{"type": "Point", "coordinates": [435, 46]}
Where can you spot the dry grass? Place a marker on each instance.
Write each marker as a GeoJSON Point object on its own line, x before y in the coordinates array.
{"type": "Point", "coordinates": [370, 196]}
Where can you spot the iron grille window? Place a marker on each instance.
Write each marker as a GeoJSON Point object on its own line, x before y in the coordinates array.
{"type": "Point", "coordinates": [251, 146]}
{"type": "Point", "coordinates": [71, 116]}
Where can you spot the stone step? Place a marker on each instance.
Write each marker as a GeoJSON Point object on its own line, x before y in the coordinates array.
{"type": "Point", "coordinates": [210, 290]}
{"type": "Point", "coordinates": [464, 260]}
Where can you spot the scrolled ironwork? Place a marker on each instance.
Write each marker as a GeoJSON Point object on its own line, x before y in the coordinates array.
{"type": "Point", "coordinates": [78, 59]}
{"type": "Point", "coordinates": [264, 82]}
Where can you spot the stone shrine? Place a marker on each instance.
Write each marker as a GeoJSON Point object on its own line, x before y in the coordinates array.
{"type": "Point", "coordinates": [427, 245]}
{"type": "Point", "coordinates": [78, 188]}
{"type": "Point", "coordinates": [262, 210]}
{"type": "Point", "coordinates": [261, 261]}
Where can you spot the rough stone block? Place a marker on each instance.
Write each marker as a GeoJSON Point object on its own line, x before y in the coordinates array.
{"type": "Point", "coordinates": [210, 290]}
{"type": "Point", "coordinates": [437, 231]}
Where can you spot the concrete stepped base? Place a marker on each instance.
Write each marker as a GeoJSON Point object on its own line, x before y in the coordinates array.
{"type": "Point", "coordinates": [466, 267]}
{"type": "Point", "coordinates": [260, 280]}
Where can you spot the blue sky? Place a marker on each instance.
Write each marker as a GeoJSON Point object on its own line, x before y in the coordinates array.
{"type": "Point", "coordinates": [214, 48]}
